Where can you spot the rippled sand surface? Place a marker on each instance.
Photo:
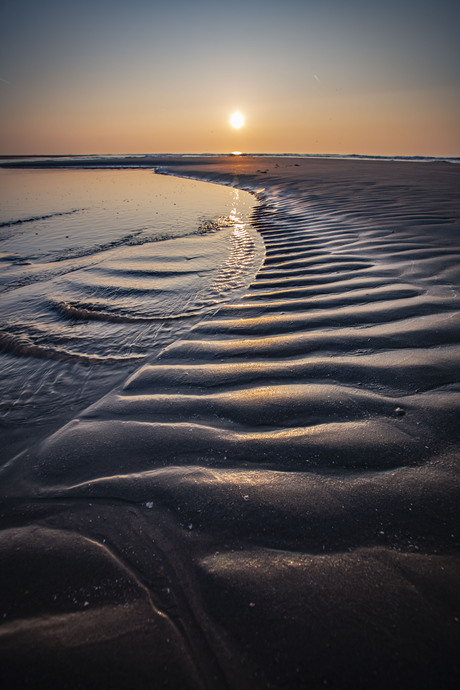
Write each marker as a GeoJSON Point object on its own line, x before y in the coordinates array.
{"type": "Point", "coordinates": [272, 502]}
{"type": "Point", "coordinates": [101, 269]}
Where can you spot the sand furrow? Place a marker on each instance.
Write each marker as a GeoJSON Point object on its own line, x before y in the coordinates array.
{"type": "Point", "coordinates": [331, 287]}
{"type": "Point", "coordinates": [373, 445]}
{"type": "Point", "coordinates": [393, 370]}
{"type": "Point", "coordinates": [358, 314]}
{"type": "Point", "coordinates": [357, 296]}
{"type": "Point", "coordinates": [431, 331]}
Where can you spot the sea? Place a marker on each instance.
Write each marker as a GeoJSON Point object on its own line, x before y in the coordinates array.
{"type": "Point", "coordinates": [101, 270]}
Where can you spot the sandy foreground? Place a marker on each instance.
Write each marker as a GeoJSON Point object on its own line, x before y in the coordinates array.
{"type": "Point", "coordinates": [274, 502]}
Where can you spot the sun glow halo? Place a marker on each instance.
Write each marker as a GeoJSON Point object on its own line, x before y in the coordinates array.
{"type": "Point", "coordinates": [237, 120]}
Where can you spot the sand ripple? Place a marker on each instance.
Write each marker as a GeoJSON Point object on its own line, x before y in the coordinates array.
{"type": "Point", "coordinates": [277, 495]}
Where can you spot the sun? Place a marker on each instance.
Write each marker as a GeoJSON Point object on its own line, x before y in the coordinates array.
{"type": "Point", "coordinates": [237, 120]}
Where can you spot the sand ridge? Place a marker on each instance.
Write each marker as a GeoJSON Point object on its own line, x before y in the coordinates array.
{"type": "Point", "coordinates": [280, 488]}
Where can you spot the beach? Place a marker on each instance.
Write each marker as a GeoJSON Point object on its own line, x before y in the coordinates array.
{"type": "Point", "coordinates": [272, 499]}
{"type": "Point", "coordinates": [101, 269]}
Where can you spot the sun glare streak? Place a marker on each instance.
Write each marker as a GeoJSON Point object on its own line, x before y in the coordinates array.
{"type": "Point", "coordinates": [237, 120]}
{"type": "Point", "coordinates": [234, 215]}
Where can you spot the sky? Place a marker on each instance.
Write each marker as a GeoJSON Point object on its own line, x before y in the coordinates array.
{"type": "Point", "coordinates": [310, 76]}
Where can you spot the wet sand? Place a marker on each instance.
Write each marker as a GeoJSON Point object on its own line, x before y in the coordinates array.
{"type": "Point", "coordinates": [273, 502]}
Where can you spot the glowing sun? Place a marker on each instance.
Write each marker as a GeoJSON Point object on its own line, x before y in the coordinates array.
{"type": "Point", "coordinates": [237, 120]}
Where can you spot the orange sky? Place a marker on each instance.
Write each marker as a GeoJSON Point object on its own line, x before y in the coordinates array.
{"type": "Point", "coordinates": [310, 77]}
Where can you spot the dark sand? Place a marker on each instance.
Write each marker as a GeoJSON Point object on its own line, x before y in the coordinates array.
{"type": "Point", "coordinates": [274, 502]}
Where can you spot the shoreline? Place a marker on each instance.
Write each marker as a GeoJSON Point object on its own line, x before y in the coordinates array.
{"type": "Point", "coordinates": [278, 491]}
{"type": "Point", "coordinates": [88, 294]}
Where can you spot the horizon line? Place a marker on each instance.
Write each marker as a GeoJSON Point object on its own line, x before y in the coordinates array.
{"type": "Point", "coordinates": [235, 154]}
